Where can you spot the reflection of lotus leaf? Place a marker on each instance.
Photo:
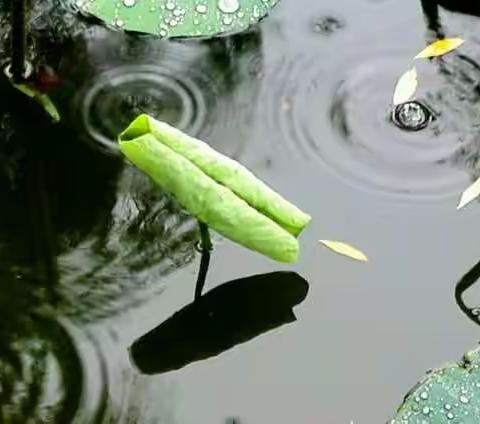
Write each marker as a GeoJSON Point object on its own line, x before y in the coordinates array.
{"type": "Point", "coordinates": [449, 395]}
{"type": "Point", "coordinates": [215, 189]}
{"type": "Point", "coordinates": [178, 18]}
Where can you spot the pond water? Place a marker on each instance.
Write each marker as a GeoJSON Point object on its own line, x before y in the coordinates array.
{"type": "Point", "coordinates": [93, 256]}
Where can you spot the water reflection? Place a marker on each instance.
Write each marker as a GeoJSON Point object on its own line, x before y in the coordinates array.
{"type": "Point", "coordinates": [84, 237]}
{"type": "Point", "coordinates": [230, 314]}
{"type": "Point", "coordinates": [456, 98]}
{"type": "Point", "coordinates": [431, 10]}
{"type": "Point", "coordinates": [467, 281]}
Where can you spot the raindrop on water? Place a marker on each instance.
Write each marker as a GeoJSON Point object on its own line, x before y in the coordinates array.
{"type": "Point", "coordinates": [412, 116]}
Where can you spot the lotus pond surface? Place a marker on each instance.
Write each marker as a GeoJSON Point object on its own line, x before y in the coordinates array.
{"type": "Point", "coordinates": [98, 265]}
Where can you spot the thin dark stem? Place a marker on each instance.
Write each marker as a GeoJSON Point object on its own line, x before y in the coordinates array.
{"type": "Point", "coordinates": [41, 227]}
{"type": "Point", "coordinates": [206, 246]}
{"type": "Point", "coordinates": [19, 39]}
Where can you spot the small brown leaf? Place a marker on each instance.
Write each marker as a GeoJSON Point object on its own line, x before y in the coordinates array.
{"type": "Point", "coordinates": [470, 194]}
{"type": "Point", "coordinates": [345, 250]}
{"type": "Point", "coordinates": [440, 47]}
{"type": "Point", "coordinates": [406, 87]}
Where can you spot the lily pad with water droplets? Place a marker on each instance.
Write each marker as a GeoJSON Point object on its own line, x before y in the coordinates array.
{"type": "Point", "coordinates": [178, 18]}
{"type": "Point", "coordinates": [445, 396]}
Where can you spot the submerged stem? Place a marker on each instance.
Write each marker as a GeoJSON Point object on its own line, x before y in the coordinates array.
{"type": "Point", "coordinates": [206, 247]}
{"type": "Point", "coordinates": [19, 39]}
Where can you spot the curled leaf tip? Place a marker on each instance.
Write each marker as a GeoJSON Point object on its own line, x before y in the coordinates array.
{"type": "Point", "coordinates": [345, 250]}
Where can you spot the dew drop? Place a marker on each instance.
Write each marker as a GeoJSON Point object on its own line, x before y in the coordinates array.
{"type": "Point", "coordinates": [424, 395]}
{"type": "Point", "coordinates": [201, 8]}
{"type": "Point", "coordinates": [129, 3]}
{"type": "Point", "coordinates": [228, 6]}
{"type": "Point", "coordinates": [426, 410]}
{"type": "Point", "coordinates": [463, 399]}
{"type": "Point", "coordinates": [227, 20]}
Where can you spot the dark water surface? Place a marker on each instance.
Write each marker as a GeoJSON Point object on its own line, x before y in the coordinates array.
{"type": "Point", "coordinates": [93, 256]}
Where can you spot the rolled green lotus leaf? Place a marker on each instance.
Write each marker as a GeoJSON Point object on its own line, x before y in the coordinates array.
{"type": "Point", "coordinates": [447, 395]}
{"type": "Point", "coordinates": [214, 189]}
{"type": "Point", "coordinates": [224, 171]}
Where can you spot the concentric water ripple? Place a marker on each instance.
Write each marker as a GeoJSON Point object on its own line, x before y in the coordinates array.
{"type": "Point", "coordinates": [341, 117]}
{"type": "Point", "coordinates": [184, 84]}
{"type": "Point", "coordinates": [119, 95]}
{"type": "Point", "coordinates": [41, 377]}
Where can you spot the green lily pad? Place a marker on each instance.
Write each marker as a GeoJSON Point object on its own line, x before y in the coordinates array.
{"type": "Point", "coordinates": [449, 395]}
{"type": "Point", "coordinates": [178, 18]}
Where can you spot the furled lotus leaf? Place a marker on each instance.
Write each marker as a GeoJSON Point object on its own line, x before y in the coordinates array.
{"type": "Point", "coordinates": [178, 18]}
{"type": "Point", "coordinates": [215, 189]}
{"type": "Point", "coordinates": [449, 395]}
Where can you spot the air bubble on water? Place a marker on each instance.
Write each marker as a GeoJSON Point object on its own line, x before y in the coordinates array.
{"type": "Point", "coordinates": [450, 416]}
{"type": "Point", "coordinates": [228, 6]}
{"type": "Point", "coordinates": [448, 406]}
{"type": "Point", "coordinates": [170, 5]}
{"type": "Point", "coordinates": [426, 410]}
{"type": "Point", "coordinates": [129, 3]}
{"type": "Point", "coordinates": [424, 395]}
{"type": "Point", "coordinates": [411, 116]}
{"type": "Point", "coordinates": [463, 399]}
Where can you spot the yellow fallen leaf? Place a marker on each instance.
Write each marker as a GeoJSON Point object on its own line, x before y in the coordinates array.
{"type": "Point", "coordinates": [470, 194]}
{"type": "Point", "coordinates": [345, 250]}
{"type": "Point", "coordinates": [440, 47]}
{"type": "Point", "coordinates": [406, 87]}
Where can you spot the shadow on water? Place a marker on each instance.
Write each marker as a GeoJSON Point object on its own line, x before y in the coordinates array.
{"type": "Point", "coordinates": [230, 314]}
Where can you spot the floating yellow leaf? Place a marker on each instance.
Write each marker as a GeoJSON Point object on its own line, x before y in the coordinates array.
{"type": "Point", "coordinates": [440, 47]}
{"type": "Point", "coordinates": [345, 250]}
{"type": "Point", "coordinates": [470, 194]}
{"type": "Point", "coordinates": [406, 87]}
